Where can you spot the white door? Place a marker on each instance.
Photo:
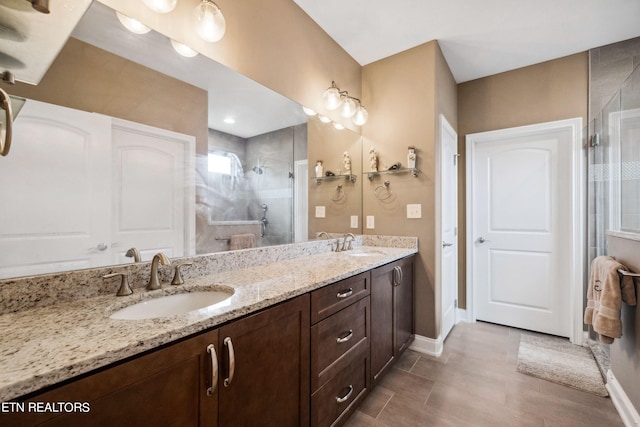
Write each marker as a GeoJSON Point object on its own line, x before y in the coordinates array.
{"type": "Point", "coordinates": [521, 228]}
{"type": "Point", "coordinates": [449, 224]}
{"type": "Point", "coordinates": [58, 160]}
{"type": "Point", "coordinates": [153, 195]}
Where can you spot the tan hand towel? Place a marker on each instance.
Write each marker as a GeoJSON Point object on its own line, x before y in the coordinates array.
{"type": "Point", "coordinates": [242, 241]}
{"type": "Point", "coordinates": [605, 295]}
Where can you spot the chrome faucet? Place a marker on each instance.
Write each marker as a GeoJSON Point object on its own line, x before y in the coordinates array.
{"type": "Point", "coordinates": [344, 241]}
{"type": "Point", "coordinates": [135, 253]}
{"type": "Point", "coordinates": [154, 283]}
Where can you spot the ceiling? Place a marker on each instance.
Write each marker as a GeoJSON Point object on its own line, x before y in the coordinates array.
{"type": "Point", "coordinates": [477, 38]}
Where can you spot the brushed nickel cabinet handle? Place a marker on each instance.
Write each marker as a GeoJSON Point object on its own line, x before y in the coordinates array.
{"type": "Point", "coordinates": [401, 275]}
{"type": "Point", "coordinates": [346, 396]}
{"type": "Point", "coordinates": [214, 369]}
{"type": "Point", "coordinates": [344, 294]}
{"type": "Point", "coordinates": [345, 338]}
{"type": "Point", "coordinates": [232, 361]}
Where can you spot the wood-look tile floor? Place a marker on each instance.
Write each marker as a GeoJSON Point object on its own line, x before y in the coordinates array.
{"type": "Point", "coordinates": [475, 383]}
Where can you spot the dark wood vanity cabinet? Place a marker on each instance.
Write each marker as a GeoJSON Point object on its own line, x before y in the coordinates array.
{"type": "Point", "coordinates": [169, 386]}
{"type": "Point", "coordinates": [392, 325]}
{"type": "Point", "coordinates": [340, 357]}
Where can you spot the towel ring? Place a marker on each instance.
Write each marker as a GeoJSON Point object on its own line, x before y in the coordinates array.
{"type": "Point", "coordinates": [340, 194]}
{"type": "Point", "coordinates": [380, 190]}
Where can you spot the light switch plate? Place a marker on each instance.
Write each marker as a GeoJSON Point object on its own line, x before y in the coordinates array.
{"type": "Point", "coordinates": [320, 212]}
{"type": "Point", "coordinates": [354, 221]}
{"type": "Point", "coordinates": [414, 211]}
{"type": "Point", "coordinates": [371, 223]}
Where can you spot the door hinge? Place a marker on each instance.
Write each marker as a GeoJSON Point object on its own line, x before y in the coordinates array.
{"type": "Point", "coordinates": [455, 303]}
{"type": "Point", "coordinates": [455, 231]}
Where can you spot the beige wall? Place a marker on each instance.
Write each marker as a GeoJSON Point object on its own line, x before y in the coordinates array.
{"type": "Point", "coordinates": [552, 90]}
{"type": "Point", "coordinates": [404, 94]}
{"type": "Point", "coordinates": [91, 79]}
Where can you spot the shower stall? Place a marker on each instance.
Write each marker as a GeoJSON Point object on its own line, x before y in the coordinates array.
{"type": "Point", "coordinates": [248, 188]}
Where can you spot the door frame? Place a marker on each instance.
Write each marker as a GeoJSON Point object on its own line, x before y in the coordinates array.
{"type": "Point", "coordinates": [578, 212]}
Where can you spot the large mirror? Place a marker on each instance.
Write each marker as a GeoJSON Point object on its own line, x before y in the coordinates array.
{"type": "Point", "coordinates": [126, 144]}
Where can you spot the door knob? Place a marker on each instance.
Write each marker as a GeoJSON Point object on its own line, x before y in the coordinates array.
{"type": "Point", "coordinates": [480, 240]}
{"type": "Point", "coordinates": [445, 244]}
{"type": "Point", "coordinates": [102, 246]}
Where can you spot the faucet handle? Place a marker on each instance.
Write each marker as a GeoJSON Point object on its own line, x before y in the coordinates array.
{"type": "Point", "coordinates": [177, 276]}
{"type": "Point", "coordinates": [124, 289]}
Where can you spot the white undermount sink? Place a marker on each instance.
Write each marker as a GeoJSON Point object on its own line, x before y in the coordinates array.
{"type": "Point", "coordinates": [172, 305]}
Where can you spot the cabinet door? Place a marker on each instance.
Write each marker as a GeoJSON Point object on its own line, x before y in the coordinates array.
{"type": "Point", "coordinates": [270, 359]}
{"type": "Point", "coordinates": [165, 387]}
{"type": "Point", "coordinates": [382, 329]}
{"type": "Point", "coordinates": [404, 306]}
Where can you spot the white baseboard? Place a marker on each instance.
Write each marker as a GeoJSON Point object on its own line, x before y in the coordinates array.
{"type": "Point", "coordinates": [625, 408]}
{"type": "Point", "coordinates": [462, 316]}
{"type": "Point", "coordinates": [427, 346]}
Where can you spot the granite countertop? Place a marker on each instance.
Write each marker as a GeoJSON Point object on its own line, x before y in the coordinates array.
{"type": "Point", "coordinates": [44, 346]}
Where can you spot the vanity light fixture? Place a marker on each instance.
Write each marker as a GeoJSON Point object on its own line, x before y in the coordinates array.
{"type": "Point", "coordinates": [338, 126]}
{"type": "Point", "coordinates": [350, 107]}
{"type": "Point", "coordinates": [324, 119]}
{"type": "Point", "coordinates": [210, 22]}
{"type": "Point", "coordinates": [183, 49]}
{"type": "Point", "coordinates": [132, 25]}
{"type": "Point", "coordinates": [161, 6]}
{"type": "Point", "coordinates": [229, 120]}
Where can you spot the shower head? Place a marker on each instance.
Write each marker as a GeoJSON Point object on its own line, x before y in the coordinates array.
{"type": "Point", "coordinates": [258, 170]}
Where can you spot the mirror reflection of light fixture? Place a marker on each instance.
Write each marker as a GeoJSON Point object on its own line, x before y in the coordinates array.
{"type": "Point", "coordinates": [183, 49]}
{"type": "Point", "coordinates": [132, 25]}
{"type": "Point", "coordinates": [309, 112]}
{"type": "Point", "coordinates": [161, 6]}
{"type": "Point", "coordinates": [210, 22]}
{"type": "Point", "coordinates": [333, 98]}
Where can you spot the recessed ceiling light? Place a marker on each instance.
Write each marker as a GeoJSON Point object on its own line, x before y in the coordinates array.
{"type": "Point", "coordinates": [229, 120]}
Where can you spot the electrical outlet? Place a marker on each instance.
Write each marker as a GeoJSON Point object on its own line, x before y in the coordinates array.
{"type": "Point", "coordinates": [414, 211]}
{"type": "Point", "coordinates": [320, 212]}
{"type": "Point", "coordinates": [371, 223]}
{"type": "Point", "coordinates": [354, 221]}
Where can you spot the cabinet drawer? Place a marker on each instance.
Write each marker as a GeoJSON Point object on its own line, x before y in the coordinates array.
{"type": "Point", "coordinates": [332, 404]}
{"type": "Point", "coordinates": [335, 337]}
{"type": "Point", "coordinates": [333, 298]}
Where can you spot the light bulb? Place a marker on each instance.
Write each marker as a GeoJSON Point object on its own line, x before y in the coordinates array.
{"type": "Point", "coordinates": [361, 116]}
{"type": "Point", "coordinates": [331, 97]}
{"type": "Point", "coordinates": [161, 6]}
{"type": "Point", "coordinates": [210, 23]}
{"type": "Point", "coordinates": [348, 107]}
{"type": "Point", "coordinates": [132, 25]}
{"type": "Point", "coordinates": [324, 119]}
{"type": "Point", "coordinates": [308, 111]}
{"type": "Point", "coordinates": [183, 49]}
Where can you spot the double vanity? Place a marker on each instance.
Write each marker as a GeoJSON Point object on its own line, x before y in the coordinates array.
{"type": "Point", "coordinates": [292, 335]}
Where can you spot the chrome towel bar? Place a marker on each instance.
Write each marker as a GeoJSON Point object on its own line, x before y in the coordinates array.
{"type": "Point", "coordinates": [627, 273]}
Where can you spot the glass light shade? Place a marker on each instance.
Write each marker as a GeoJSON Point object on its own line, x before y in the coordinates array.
{"type": "Point", "coordinates": [183, 49]}
{"type": "Point", "coordinates": [308, 111]}
{"type": "Point", "coordinates": [331, 98]}
{"type": "Point", "coordinates": [132, 25]}
{"type": "Point", "coordinates": [360, 117]}
{"type": "Point", "coordinates": [324, 119]}
{"type": "Point", "coordinates": [161, 6]}
{"type": "Point", "coordinates": [338, 125]}
{"type": "Point", "coordinates": [210, 23]}
{"type": "Point", "coordinates": [348, 108]}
